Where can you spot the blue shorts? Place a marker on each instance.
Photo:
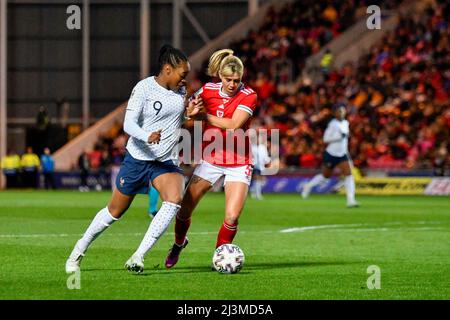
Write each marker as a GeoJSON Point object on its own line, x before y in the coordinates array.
{"type": "Point", "coordinates": [135, 175]}
{"type": "Point", "coordinates": [330, 161]}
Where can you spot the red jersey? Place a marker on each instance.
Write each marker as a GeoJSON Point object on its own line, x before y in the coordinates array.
{"type": "Point", "coordinates": [234, 152]}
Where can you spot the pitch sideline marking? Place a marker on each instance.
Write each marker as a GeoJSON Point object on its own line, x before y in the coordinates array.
{"type": "Point", "coordinates": [355, 226]}
{"type": "Point", "coordinates": [342, 227]}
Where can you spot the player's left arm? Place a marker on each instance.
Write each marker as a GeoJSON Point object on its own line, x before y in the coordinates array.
{"type": "Point", "coordinates": [240, 116]}
{"type": "Point", "coordinates": [194, 107]}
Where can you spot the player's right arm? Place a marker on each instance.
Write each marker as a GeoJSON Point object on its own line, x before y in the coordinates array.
{"type": "Point", "coordinates": [332, 134]}
{"type": "Point", "coordinates": [132, 114]}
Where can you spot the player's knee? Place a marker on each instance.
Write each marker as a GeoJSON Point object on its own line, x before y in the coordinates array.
{"type": "Point", "coordinates": [189, 200]}
{"type": "Point", "coordinates": [115, 211]}
{"type": "Point", "coordinates": [175, 199]}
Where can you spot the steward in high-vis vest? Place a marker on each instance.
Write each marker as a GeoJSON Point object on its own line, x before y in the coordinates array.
{"type": "Point", "coordinates": [11, 169]}
{"type": "Point", "coordinates": [30, 165]}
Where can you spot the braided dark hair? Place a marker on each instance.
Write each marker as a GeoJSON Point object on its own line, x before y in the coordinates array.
{"type": "Point", "coordinates": [170, 55]}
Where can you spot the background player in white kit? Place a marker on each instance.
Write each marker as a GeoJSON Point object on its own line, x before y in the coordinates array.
{"type": "Point", "coordinates": [154, 115]}
{"type": "Point", "coordinates": [336, 155]}
{"type": "Point", "coordinates": [261, 158]}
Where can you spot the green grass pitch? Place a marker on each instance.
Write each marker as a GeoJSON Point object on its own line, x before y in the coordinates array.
{"type": "Point", "coordinates": [325, 254]}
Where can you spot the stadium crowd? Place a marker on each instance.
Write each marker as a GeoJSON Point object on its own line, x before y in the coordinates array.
{"type": "Point", "coordinates": [397, 97]}
{"type": "Point", "coordinates": [397, 94]}
{"type": "Point", "coordinates": [287, 37]}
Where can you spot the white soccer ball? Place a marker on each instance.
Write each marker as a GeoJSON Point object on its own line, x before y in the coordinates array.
{"type": "Point", "coordinates": [228, 258]}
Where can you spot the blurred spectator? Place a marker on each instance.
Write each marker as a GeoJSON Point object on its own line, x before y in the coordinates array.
{"type": "Point", "coordinates": [30, 165]}
{"type": "Point", "coordinates": [42, 119]}
{"type": "Point", "coordinates": [11, 169]}
{"type": "Point", "coordinates": [104, 169]}
{"type": "Point", "coordinates": [441, 160]}
{"type": "Point", "coordinates": [95, 157]}
{"type": "Point", "coordinates": [83, 165]}
{"type": "Point", "coordinates": [330, 13]}
{"type": "Point", "coordinates": [63, 107]}
{"type": "Point", "coordinates": [116, 160]}
{"type": "Point", "coordinates": [115, 130]}
{"type": "Point", "coordinates": [326, 61]}
{"type": "Point", "coordinates": [48, 169]}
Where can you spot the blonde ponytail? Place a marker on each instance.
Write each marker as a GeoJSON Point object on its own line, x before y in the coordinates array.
{"type": "Point", "coordinates": [223, 62]}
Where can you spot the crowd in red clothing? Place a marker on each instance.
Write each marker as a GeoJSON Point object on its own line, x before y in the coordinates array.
{"type": "Point", "coordinates": [397, 94]}
{"type": "Point", "coordinates": [279, 48]}
{"type": "Point", "coordinates": [397, 97]}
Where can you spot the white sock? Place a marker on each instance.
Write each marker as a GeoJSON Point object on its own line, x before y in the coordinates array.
{"type": "Point", "coordinates": [158, 226]}
{"type": "Point", "coordinates": [101, 222]}
{"type": "Point", "coordinates": [316, 180]}
{"type": "Point", "coordinates": [350, 188]}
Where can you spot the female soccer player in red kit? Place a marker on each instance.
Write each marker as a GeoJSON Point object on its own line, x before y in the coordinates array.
{"type": "Point", "coordinates": [229, 104]}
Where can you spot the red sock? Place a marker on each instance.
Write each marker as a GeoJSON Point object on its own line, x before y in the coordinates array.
{"type": "Point", "coordinates": [181, 229]}
{"type": "Point", "coordinates": [226, 234]}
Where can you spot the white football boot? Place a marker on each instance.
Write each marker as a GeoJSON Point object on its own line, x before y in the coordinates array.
{"type": "Point", "coordinates": [135, 264]}
{"type": "Point", "coordinates": [353, 204]}
{"type": "Point", "coordinates": [74, 260]}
